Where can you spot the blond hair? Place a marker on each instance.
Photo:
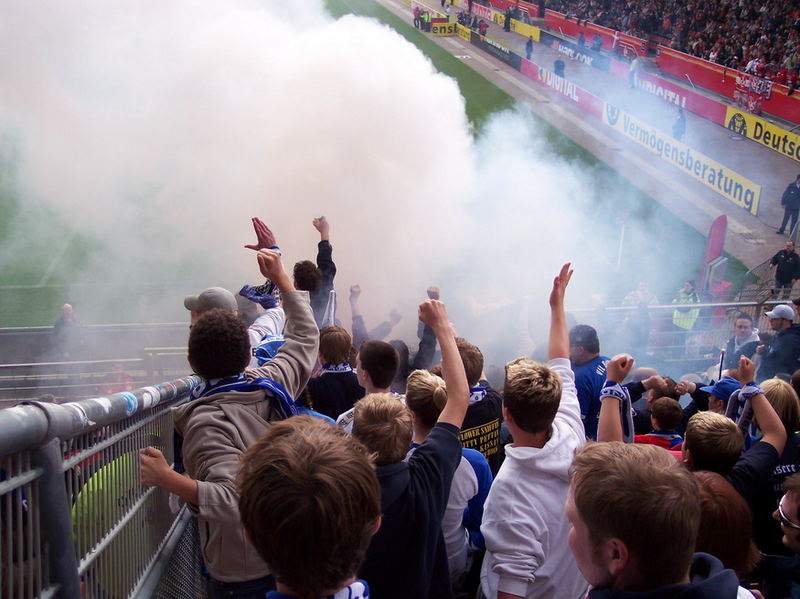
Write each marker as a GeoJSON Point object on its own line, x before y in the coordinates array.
{"type": "Point", "coordinates": [714, 441]}
{"type": "Point", "coordinates": [426, 396]}
{"type": "Point", "coordinates": [783, 398]}
{"type": "Point", "coordinates": [637, 493]}
{"type": "Point", "coordinates": [385, 427]}
{"type": "Point", "coordinates": [531, 393]}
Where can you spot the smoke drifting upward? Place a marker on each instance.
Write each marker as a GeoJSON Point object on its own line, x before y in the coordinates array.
{"type": "Point", "coordinates": [156, 131]}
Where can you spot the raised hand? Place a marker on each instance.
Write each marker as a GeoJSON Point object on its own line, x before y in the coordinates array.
{"type": "Point", "coordinates": [434, 314]}
{"type": "Point", "coordinates": [619, 367]}
{"type": "Point", "coordinates": [322, 225]}
{"type": "Point", "coordinates": [560, 286]}
{"type": "Point", "coordinates": [265, 238]}
{"type": "Point", "coordinates": [269, 262]}
{"type": "Point", "coordinates": [746, 370]}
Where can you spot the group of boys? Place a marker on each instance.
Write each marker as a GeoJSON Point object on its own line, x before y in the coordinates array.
{"type": "Point", "coordinates": [294, 506]}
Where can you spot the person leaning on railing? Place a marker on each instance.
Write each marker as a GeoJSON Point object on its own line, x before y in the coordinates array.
{"type": "Point", "coordinates": [230, 411]}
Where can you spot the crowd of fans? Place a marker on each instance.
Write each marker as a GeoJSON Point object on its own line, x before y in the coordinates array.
{"type": "Point", "coordinates": [323, 461]}
{"type": "Point", "coordinates": [760, 36]}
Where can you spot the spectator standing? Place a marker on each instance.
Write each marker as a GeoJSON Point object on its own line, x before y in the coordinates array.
{"type": "Point", "coordinates": [790, 200]}
{"type": "Point", "coordinates": [783, 353]}
{"type": "Point", "coordinates": [786, 263]}
{"type": "Point", "coordinates": [590, 373]}
{"type": "Point", "coordinates": [744, 342]}
{"type": "Point", "coordinates": [679, 126]}
{"type": "Point", "coordinates": [635, 516]}
{"type": "Point", "coordinates": [529, 48]}
{"type": "Point", "coordinates": [318, 279]}
{"type": "Point", "coordinates": [230, 411]}
{"type": "Point", "coordinates": [685, 318]}
{"type": "Point", "coordinates": [524, 524]}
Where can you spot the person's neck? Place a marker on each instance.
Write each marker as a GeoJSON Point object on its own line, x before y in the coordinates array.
{"type": "Point", "coordinates": [526, 439]}
{"type": "Point", "coordinates": [373, 389]}
{"type": "Point", "coordinates": [420, 433]}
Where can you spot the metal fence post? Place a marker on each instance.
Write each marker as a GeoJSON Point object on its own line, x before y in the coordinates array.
{"type": "Point", "coordinates": [56, 520]}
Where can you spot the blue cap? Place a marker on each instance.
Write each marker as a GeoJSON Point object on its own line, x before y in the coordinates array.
{"type": "Point", "coordinates": [723, 388]}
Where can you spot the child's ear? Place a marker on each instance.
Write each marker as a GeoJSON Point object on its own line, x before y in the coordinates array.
{"type": "Point", "coordinates": [375, 527]}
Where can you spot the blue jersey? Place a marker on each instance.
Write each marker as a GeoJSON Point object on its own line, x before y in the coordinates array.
{"type": "Point", "coordinates": [589, 379]}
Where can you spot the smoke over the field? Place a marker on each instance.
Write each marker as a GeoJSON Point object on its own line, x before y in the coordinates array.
{"type": "Point", "coordinates": [156, 130]}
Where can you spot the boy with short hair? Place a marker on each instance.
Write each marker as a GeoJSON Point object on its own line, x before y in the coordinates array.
{"type": "Point", "coordinates": [314, 542]}
{"type": "Point", "coordinates": [407, 556]}
{"type": "Point", "coordinates": [622, 498]}
{"type": "Point", "coordinates": [666, 415]}
{"type": "Point", "coordinates": [376, 364]}
{"type": "Point", "coordinates": [336, 389]}
{"type": "Point", "coordinates": [524, 525]}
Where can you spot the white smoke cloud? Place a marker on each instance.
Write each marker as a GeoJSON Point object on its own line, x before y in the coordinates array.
{"type": "Point", "coordinates": [156, 130]}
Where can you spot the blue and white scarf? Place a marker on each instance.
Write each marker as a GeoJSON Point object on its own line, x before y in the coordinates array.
{"type": "Point", "coordinates": [281, 402]}
{"type": "Point", "coordinates": [336, 368]}
{"type": "Point", "coordinates": [476, 394]}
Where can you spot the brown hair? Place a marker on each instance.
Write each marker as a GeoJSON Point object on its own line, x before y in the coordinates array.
{"type": "Point", "coordinates": [307, 277]}
{"type": "Point", "coordinates": [668, 412]}
{"type": "Point", "coordinates": [426, 396]}
{"type": "Point", "coordinates": [218, 345]}
{"type": "Point", "coordinates": [380, 361]}
{"type": "Point", "coordinates": [781, 395]}
{"type": "Point", "coordinates": [531, 393]}
{"type": "Point", "coordinates": [638, 493]}
{"type": "Point", "coordinates": [307, 488]}
{"type": "Point", "coordinates": [334, 345]}
{"type": "Point", "coordinates": [725, 524]}
{"type": "Point", "coordinates": [472, 358]}
{"type": "Point", "coordinates": [384, 425]}
{"type": "Point", "coordinates": [714, 441]}
{"type": "Point", "coordinates": [792, 485]}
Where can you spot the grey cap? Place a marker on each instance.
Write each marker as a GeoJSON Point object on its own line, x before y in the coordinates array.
{"type": "Point", "coordinates": [781, 311]}
{"type": "Point", "coordinates": [213, 297]}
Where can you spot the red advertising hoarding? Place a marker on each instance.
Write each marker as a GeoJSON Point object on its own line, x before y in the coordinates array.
{"type": "Point", "coordinates": [587, 102]}
{"type": "Point", "coordinates": [722, 80]}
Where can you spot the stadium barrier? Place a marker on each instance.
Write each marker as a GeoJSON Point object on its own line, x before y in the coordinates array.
{"type": "Point", "coordinates": [75, 522]}
{"type": "Point", "coordinates": [723, 81]}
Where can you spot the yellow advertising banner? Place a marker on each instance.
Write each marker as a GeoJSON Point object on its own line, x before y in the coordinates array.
{"type": "Point", "coordinates": [464, 32]}
{"type": "Point", "coordinates": [525, 29]}
{"type": "Point", "coordinates": [727, 183]}
{"type": "Point", "coordinates": [771, 136]}
{"type": "Point", "coordinates": [443, 28]}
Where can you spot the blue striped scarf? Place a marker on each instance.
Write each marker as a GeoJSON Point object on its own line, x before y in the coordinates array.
{"type": "Point", "coordinates": [279, 397]}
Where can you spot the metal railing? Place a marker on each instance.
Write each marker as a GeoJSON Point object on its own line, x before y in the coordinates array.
{"type": "Point", "coordinates": [74, 519]}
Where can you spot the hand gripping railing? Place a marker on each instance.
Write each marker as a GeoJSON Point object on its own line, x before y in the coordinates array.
{"type": "Point", "coordinates": [74, 520]}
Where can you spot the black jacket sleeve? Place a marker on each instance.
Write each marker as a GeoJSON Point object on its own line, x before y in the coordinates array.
{"type": "Point", "coordinates": [326, 265]}
{"type": "Point", "coordinates": [427, 347]}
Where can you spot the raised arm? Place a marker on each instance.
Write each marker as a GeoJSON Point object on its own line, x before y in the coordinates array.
{"type": "Point", "coordinates": [295, 360]}
{"type": "Point", "coordinates": [609, 426]}
{"type": "Point", "coordinates": [559, 336]}
{"type": "Point", "coordinates": [772, 429]}
{"type": "Point", "coordinates": [325, 254]}
{"type": "Point", "coordinates": [434, 314]}
{"type": "Point", "coordinates": [265, 238]}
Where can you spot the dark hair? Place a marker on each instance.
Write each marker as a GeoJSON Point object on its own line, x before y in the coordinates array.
{"type": "Point", "coordinates": [307, 277]}
{"type": "Point", "coordinates": [218, 345]}
{"type": "Point", "coordinates": [309, 500]}
{"type": "Point", "coordinates": [404, 361]}
{"type": "Point", "coordinates": [472, 358]}
{"type": "Point", "coordinates": [671, 391]}
{"type": "Point", "coordinates": [743, 315]}
{"type": "Point", "coordinates": [586, 337]}
{"type": "Point", "coordinates": [380, 361]}
{"type": "Point", "coordinates": [725, 524]}
{"type": "Point", "coordinates": [668, 412]}
{"type": "Point", "coordinates": [334, 345]}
